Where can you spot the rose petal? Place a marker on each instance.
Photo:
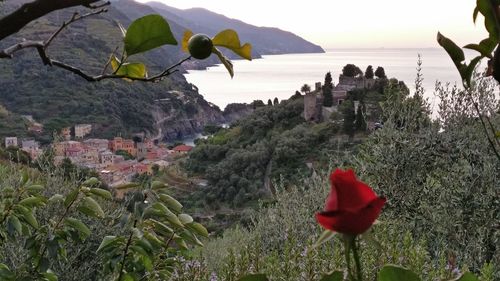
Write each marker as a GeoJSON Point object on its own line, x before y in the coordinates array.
{"type": "Point", "coordinates": [352, 223]}
{"type": "Point", "coordinates": [351, 194]}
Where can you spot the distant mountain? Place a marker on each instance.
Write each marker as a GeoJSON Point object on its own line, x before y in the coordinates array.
{"type": "Point", "coordinates": [265, 40]}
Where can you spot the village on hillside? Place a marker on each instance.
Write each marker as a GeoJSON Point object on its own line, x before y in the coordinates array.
{"type": "Point", "coordinates": [116, 161]}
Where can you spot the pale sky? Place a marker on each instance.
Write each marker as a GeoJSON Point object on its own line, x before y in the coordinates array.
{"type": "Point", "coordinates": [356, 24]}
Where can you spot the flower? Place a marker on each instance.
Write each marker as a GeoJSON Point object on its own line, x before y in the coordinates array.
{"type": "Point", "coordinates": [351, 207]}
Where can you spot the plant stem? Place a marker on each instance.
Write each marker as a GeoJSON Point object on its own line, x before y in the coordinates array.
{"type": "Point", "coordinates": [125, 252]}
{"type": "Point", "coordinates": [359, 271]}
{"type": "Point", "coordinates": [347, 254]}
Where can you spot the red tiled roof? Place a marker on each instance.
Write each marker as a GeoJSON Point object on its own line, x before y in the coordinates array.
{"type": "Point", "coordinates": [183, 148]}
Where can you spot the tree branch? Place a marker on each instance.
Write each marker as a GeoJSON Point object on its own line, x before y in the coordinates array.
{"type": "Point", "coordinates": [42, 46]}
{"type": "Point", "coordinates": [29, 12]}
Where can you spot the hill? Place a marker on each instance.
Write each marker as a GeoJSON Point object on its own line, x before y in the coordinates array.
{"type": "Point", "coordinates": [265, 40]}
{"type": "Point", "coordinates": [58, 99]}
{"type": "Point", "coordinates": [169, 110]}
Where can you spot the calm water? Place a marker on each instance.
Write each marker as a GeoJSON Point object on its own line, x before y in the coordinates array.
{"type": "Point", "coordinates": [281, 75]}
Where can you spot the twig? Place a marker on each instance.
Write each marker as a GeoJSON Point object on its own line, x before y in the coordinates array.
{"type": "Point", "coordinates": [28, 12]}
{"type": "Point", "coordinates": [109, 61]}
{"type": "Point", "coordinates": [42, 46]}
{"type": "Point", "coordinates": [125, 252]}
{"type": "Point", "coordinates": [74, 18]}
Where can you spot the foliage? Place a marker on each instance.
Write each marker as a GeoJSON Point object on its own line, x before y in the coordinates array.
{"type": "Point", "coordinates": [286, 252]}
{"type": "Point", "coordinates": [272, 142]}
{"type": "Point", "coordinates": [380, 73]}
{"type": "Point", "coordinates": [327, 90]}
{"type": "Point", "coordinates": [305, 89]}
{"type": "Point", "coordinates": [53, 228]}
{"type": "Point", "coordinates": [125, 154]}
{"type": "Point", "coordinates": [369, 72]}
{"type": "Point", "coordinates": [351, 70]}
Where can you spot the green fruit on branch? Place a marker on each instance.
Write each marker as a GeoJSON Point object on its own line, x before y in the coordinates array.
{"type": "Point", "coordinates": [200, 46]}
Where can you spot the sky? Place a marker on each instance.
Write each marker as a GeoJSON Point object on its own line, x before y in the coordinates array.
{"type": "Point", "coordinates": [356, 24]}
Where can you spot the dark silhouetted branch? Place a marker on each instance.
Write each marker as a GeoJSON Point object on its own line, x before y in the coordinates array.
{"type": "Point", "coordinates": [29, 12]}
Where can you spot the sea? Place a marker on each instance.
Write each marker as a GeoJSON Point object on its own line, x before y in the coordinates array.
{"type": "Point", "coordinates": [281, 75]}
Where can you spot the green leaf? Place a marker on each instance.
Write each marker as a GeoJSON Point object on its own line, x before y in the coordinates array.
{"type": "Point", "coordinates": [91, 182]}
{"type": "Point", "coordinates": [147, 33]}
{"type": "Point", "coordinates": [56, 198]}
{"type": "Point", "coordinates": [485, 47]}
{"type": "Point", "coordinates": [229, 39]}
{"type": "Point", "coordinates": [467, 277]}
{"type": "Point", "coordinates": [35, 189]}
{"type": "Point", "coordinates": [101, 193]}
{"type": "Point", "coordinates": [225, 61]}
{"type": "Point", "coordinates": [198, 228]}
{"type": "Point", "coordinates": [456, 54]}
{"type": "Point", "coordinates": [127, 186]}
{"type": "Point", "coordinates": [130, 70]}
{"type": "Point", "coordinates": [487, 10]}
{"type": "Point", "coordinates": [50, 276]}
{"type": "Point", "coordinates": [396, 273]}
{"type": "Point", "coordinates": [15, 223]}
{"type": "Point", "coordinates": [333, 276]}
{"type": "Point", "coordinates": [474, 14]}
{"type": "Point", "coordinates": [26, 215]}
{"type": "Point", "coordinates": [78, 226]}
{"type": "Point", "coordinates": [24, 177]}
{"type": "Point", "coordinates": [162, 228]}
{"type": "Point", "coordinates": [32, 201]}
{"type": "Point", "coordinates": [158, 185]}
{"type": "Point", "coordinates": [171, 202]}
{"type": "Point", "coordinates": [109, 241]}
{"type": "Point", "coordinates": [71, 197]}
{"type": "Point", "coordinates": [185, 218]}
{"type": "Point", "coordinates": [5, 273]}
{"type": "Point", "coordinates": [470, 69]}
{"type": "Point", "coordinates": [326, 236]}
{"type": "Point", "coordinates": [254, 277]}
{"type": "Point", "coordinates": [91, 208]}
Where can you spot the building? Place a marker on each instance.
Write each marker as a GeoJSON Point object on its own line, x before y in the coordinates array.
{"type": "Point", "coordinates": [182, 149]}
{"type": "Point", "coordinates": [143, 148]}
{"type": "Point", "coordinates": [29, 144]}
{"type": "Point", "coordinates": [119, 143]}
{"type": "Point", "coordinates": [313, 107]}
{"type": "Point", "coordinates": [81, 130]}
{"type": "Point", "coordinates": [339, 96]}
{"type": "Point", "coordinates": [60, 148]}
{"type": "Point", "coordinates": [99, 144]}
{"type": "Point", "coordinates": [11, 141]}
{"type": "Point", "coordinates": [107, 158]}
{"type": "Point", "coordinates": [66, 133]}
{"type": "Point", "coordinates": [32, 147]}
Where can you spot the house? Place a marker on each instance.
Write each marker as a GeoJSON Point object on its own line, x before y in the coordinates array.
{"type": "Point", "coordinates": [36, 128]}
{"type": "Point", "coordinates": [182, 149]}
{"type": "Point", "coordinates": [119, 143]}
{"type": "Point", "coordinates": [32, 147]}
{"type": "Point", "coordinates": [61, 147]}
{"type": "Point", "coordinates": [143, 148]}
{"type": "Point", "coordinates": [66, 133]}
{"type": "Point", "coordinates": [107, 157]}
{"type": "Point", "coordinates": [99, 144]}
{"type": "Point", "coordinates": [81, 130]}
{"type": "Point", "coordinates": [11, 141]}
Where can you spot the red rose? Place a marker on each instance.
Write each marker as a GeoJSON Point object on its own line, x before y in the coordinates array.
{"type": "Point", "coordinates": [351, 207]}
